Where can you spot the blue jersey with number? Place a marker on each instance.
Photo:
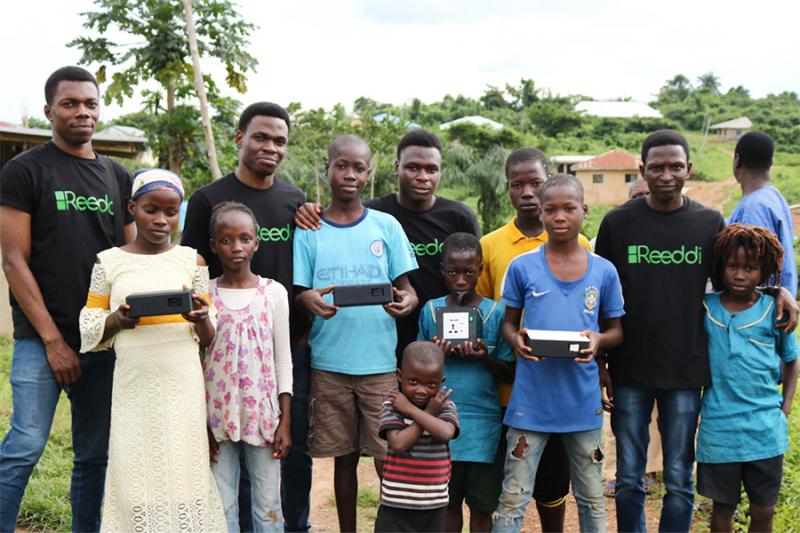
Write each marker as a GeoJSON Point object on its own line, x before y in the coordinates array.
{"type": "Point", "coordinates": [373, 249]}
{"type": "Point", "coordinates": [557, 394]}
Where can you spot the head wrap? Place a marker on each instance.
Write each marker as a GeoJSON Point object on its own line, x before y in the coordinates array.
{"type": "Point", "coordinates": [155, 179]}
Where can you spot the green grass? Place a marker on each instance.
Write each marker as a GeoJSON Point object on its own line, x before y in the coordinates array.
{"type": "Point", "coordinates": [46, 504]}
{"type": "Point", "coordinates": [711, 160]}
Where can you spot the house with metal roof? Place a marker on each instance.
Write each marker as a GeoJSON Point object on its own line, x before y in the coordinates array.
{"type": "Point", "coordinates": [614, 109]}
{"type": "Point", "coordinates": [606, 178]}
{"type": "Point", "coordinates": [115, 141]}
{"type": "Point", "coordinates": [476, 120]}
{"type": "Point", "coordinates": [731, 130]}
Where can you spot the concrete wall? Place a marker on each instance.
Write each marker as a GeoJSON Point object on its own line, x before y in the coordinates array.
{"type": "Point", "coordinates": [613, 190]}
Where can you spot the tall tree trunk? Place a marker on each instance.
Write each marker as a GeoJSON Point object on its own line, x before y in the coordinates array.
{"type": "Point", "coordinates": [201, 92]}
{"type": "Point", "coordinates": [173, 147]}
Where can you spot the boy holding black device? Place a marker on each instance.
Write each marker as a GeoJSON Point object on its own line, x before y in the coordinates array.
{"type": "Point", "coordinates": [475, 357]}
{"type": "Point", "coordinates": [560, 286]}
{"type": "Point", "coordinates": [352, 349]}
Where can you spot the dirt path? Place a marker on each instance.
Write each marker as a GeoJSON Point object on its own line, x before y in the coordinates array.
{"type": "Point", "coordinates": [323, 507]}
{"type": "Point", "coordinates": [713, 194]}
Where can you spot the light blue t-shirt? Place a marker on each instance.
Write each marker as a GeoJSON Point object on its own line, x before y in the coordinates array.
{"type": "Point", "coordinates": [557, 394]}
{"type": "Point", "coordinates": [474, 387]}
{"type": "Point", "coordinates": [373, 249]}
{"type": "Point", "coordinates": [741, 418]}
{"type": "Point", "coordinates": [767, 208]}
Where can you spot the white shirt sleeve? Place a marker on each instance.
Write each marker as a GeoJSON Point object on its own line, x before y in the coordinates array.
{"type": "Point", "coordinates": [280, 336]}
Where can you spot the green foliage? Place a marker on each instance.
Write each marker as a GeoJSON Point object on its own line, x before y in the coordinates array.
{"type": "Point", "coordinates": [591, 224]}
{"type": "Point", "coordinates": [695, 107]}
{"type": "Point", "coordinates": [160, 52]}
{"type": "Point", "coordinates": [484, 174]}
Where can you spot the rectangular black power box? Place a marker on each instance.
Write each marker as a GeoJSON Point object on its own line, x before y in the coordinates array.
{"type": "Point", "coordinates": [458, 324]}
{"type": "Point", "coordinates": [160, 303]}
{"type": "Point", "coordinates": [546, 343]}
{"type": "Point", "coordinates": [371, 294]}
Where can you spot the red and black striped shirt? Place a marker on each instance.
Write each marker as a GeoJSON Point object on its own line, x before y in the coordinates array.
{"type": "Point", "coordinates": [418, 478]}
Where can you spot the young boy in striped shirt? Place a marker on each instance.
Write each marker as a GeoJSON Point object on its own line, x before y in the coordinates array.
{"type": "Point", "coordinates": [418, 421]}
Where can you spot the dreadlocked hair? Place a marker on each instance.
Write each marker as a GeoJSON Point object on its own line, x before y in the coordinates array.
{"type": "Point", "coordinates": [223, 208]}
{"type": "Point", "coordinates": [758, 243]}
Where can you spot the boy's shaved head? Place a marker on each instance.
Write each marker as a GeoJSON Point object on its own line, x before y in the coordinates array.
{"type": "Point", "coordinates": [423, 353]}
{"type": "Point", "coordinates": [563, 180]}
{"type": "Point", "coordinates": [348, 139]}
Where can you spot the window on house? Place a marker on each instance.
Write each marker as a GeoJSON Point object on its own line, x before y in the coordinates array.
{"type": "Point", "coordinates": [597, 178]}
{"type": "Point", "coordinates": [631, 177]}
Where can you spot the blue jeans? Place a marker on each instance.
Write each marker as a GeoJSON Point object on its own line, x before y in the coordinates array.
{"type": "Point", "coordinates": [525, 449]}
{"type": "Point", "coordinates": [264, 474]}
{"type": "Point", "coordinates": [34, 395]}
{"type": "Point", "coordinates": [296, 468]}
{"type": "Point", "coordinates": [677, 423]}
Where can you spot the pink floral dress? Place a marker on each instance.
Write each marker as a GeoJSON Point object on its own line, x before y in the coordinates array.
{"type": "Point", "coordinates": [239, 370]}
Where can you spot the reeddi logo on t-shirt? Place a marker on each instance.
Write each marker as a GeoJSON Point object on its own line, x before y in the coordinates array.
{"type": "Point", "coordinates": [428, 248]}
{"type": "Point", "coordinates": [274, 234]}
{"type": "Point", "coordinates": [641, 253]}
{"type": "Point", "coordinates": [66, 200]}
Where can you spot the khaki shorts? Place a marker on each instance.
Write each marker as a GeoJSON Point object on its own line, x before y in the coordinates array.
{"type": "Point", "coordinates": [344, 413]}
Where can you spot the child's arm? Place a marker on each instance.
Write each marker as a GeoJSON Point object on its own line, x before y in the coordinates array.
{"type": "Point", "coordinates": [609, 337]}
{"type": "Point", "coordinates": [790, 371]}
{"type": "Point", "coordinates": [283, 434]}
{"type": "Point", "coordinates": [117, 321]}
{"type": "Point", "coordinates": [515, 336]}
{"type": "Point", "coordinates": [424, 420]}
{"type": "Point", "coordinates": [405, 296]}
{"type": "Point", "coordinates": [311, 300]}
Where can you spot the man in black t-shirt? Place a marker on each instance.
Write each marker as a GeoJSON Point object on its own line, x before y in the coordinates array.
{"type": "Point", "coordinates": [662, 247]}
{"type": "Point", "coordinates": [426, 218]}
{"type": "Point", "coordinates": [262, 137]}
{"type": "Point", "coordinates": [60, 205]}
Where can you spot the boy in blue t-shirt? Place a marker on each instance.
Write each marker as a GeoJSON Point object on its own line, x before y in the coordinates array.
{"type": "Point", "coordinates": [353, 349]}
{"type": "Point", "coordinates": [559, 286]}
{"type": "Point", "coordinates": [471, 370]}
{"type": "Point", "coordinates": [762, 204]}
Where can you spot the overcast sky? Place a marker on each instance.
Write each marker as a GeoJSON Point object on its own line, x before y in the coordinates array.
{"type": "Point", "coordinates": [319, 52]}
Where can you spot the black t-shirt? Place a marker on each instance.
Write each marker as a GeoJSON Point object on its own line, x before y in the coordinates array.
{"type": "Point", "coordinates": [274, 209]}
{"type": "Point", "coordinates": [664, 261]}
{"type": "Point", "coordinates": [73, 203]}
{"type": "Point", "coordinates": [427, 231]}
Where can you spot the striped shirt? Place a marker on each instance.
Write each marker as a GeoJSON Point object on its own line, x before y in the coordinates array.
{"type": "Point", "coordinates": [418, 478]}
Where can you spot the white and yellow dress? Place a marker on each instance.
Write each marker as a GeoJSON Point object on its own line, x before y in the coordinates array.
{"type": "Point", "coordinates": [159, 475]}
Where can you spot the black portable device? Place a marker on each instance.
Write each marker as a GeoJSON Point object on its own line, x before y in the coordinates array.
{"type": "Point", "coordinates": [159, 303]}
{"type": "Point", "coordinates": [370, 294]}
{"type": "Point", "coordinates": [458, 324]}
{"type": "Point", "coordinates": [546, 343]}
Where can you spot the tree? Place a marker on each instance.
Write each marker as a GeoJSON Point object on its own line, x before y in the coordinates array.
{"type": "Point", "coordinates": [493, 98]}
{"type": "Point", "coordinates": [200, 87]}
{"type": "Point", "coordinates": [523, 96]}
{"type": "Point", "coordinates": [554, 115]}
{"type": "Point", "coordinates": [675, 90]}
{"type": "Point", "coordinates": [159, 51]}
{"type": "Point", "coordinates": [708, 82]}
{"type": "Point", "coordinates": [484, 173]}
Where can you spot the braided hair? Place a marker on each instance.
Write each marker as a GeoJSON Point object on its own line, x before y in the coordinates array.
{"type": "Point", "coordinates": [757, 242]}
{"type": "Point", "coordinates": [223, 208]}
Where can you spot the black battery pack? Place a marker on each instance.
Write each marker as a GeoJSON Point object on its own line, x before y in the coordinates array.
{"type": "Point", "coordinates": [546, 343]}
{"type": "Point", "coordinates": [458, 324]}
{"type": "Point", "coordinates": [371, 294]}
{"type": "Point", "coordinates": [159, 303]}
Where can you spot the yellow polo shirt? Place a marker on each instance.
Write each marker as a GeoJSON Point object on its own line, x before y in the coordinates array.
{"type": "Point", "coordinates": [499, 248]}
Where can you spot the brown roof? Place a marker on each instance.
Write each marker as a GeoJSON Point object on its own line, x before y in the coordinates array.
{"type": "Point", "coordinates": [613, 160]}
